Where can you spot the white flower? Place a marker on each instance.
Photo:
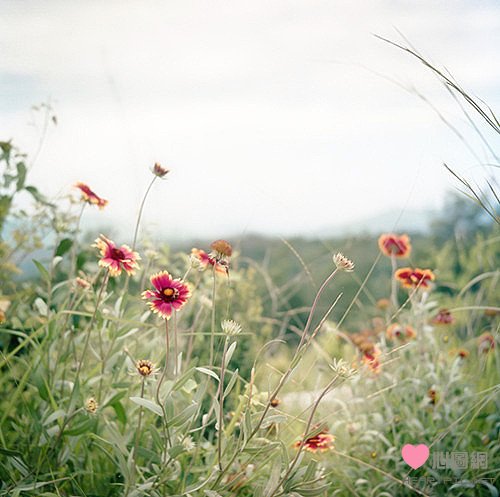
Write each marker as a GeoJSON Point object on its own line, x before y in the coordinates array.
{"type": "Point", "coordinates": [230, 327]}
{"type": "Point", "coordinates": [343, 263]}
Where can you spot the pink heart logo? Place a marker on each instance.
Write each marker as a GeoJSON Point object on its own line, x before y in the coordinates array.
{"type": "Point", "coordinates": [415, 455]}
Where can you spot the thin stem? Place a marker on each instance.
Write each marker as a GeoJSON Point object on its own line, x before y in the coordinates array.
{"type": "Point", "coordinates": [298, 351]}
{"type": "Point", "coordinates": [394, 283]}
{"type": "Point", "coordinates": [212, 328]}
{"type": "Point", "coordinates": [75, 243]}
{"type": "Point", "coordinates": [166, 431]}
{"type": "Point", "coordinates": [221, 403]}
{"type": "Point", "coordinates": [306, 433]}
{"type": "Point", "coordinates": [138, 433]}
{"type": "Point", "coordinates": [141, 208]}
{"type": "Point", "coordinates": [176, 352]}
{"type": "Point", "coordinates": [89, 328]}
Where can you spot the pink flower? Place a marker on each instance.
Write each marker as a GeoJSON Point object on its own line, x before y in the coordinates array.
{"type": "Point", "coordinates": [204, 260]}
{"type": "Point", "coordinates": [91, 197]}
{"type": "Point", "coordinates": [169, 294]}
{"type": "Point", "coordinates": [116, 258]}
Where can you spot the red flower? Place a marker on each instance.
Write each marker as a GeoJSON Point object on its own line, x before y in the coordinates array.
{"type": "Point", "coordinates": [116, 258]}
{"type": "Point", "coordinates": [398, 246]}
{"type": "Point", "coordinates": [443, 317]}
{"type": "Point", "coordinates": [414, 278]}
{"type": "Point", "coordinates": [486, 342]}
{"type": "Point", "coordinates": [371, 360]}
{"type": "Point", "coordinates": [169, 294]}
{"type": "Point", "coordinates": [321, 442]}
{"type": "Point", "coordinates": [203, 260]}
{"type": "Point", "coordinates": [90, 197]}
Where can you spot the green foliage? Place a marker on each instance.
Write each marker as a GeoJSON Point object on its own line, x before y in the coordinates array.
{"type": "Point", "coordinates": [79, 416]}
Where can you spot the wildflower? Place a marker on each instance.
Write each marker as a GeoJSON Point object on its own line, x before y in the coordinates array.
{"type": "Point", "coordinates": [443, 317]}
{"type": "Point", "coordinates": [414, 278]}
{"type": "Point", "coordinates": [463, 353]}
{"type": "Point", "coordinates": [168, 295]}
{"type": "Point", "coordinates": [145, 368]}
{"type": "Point", "coordinates": [397, 332]}
{"type": "Point", "coordinates": [486, 343]}
{"type": "Point", "coordinates": [433, 396]}
{"type": "Point", "coordinates": [188, 443]}
{"type": "Point", "coordinates": [370, 358]}
{"type": "Point", "coordinates": [201, 259]}
{"type": "Point", "coordinates": [82, 283]}
{"type": "Point", "coordinates": [230, 327]}
{"type": "Point", "coordinates": [394, 245]}
{"type": "Point", "coordinates": [491, 312]}
{"type": "Point", "coordinates": [321, 442]}
{"type": "Point", "coordinates": [383, 304]}
{"type": "Point", "coordinates": [160, 171]}
{"type": "Point", "coordinates": [343, 263]}
{"type": "Point", "coordinates": [116, 258]}
{"type": "Point", "coordinates": [222, 249]}
{"type": "Point", "coordinates": [91, 405]}
{"type": "Point", "coordinates": [91, 197]}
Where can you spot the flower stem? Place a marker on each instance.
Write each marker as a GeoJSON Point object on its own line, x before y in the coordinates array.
{"type": "Point", "coordinates": [141, 208]}
{"type": "Point", "coordinates": [166, 431]}
{"type": "Point", "coordinates": [212, 327]}
{"type": "Point", "coordinates": [221, 403]}
{"type": "Point", "coordinates": [91, 324]}
{"type": "Point", "coordinates": [138, 433]}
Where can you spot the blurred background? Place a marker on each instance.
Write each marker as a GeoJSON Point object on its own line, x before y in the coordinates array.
{"type": "Point", "coordinates": [277, 118]}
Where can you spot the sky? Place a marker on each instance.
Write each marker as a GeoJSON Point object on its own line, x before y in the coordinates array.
{"type": "Point", "coordinates": [277, 117]}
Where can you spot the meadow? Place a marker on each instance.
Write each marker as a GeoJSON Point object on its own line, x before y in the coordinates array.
{"type": "Point", "coordinates": [252, 367]}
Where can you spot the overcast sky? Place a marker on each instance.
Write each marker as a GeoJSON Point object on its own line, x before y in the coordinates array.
{"type": "Point", "coordinates": [274, 116]}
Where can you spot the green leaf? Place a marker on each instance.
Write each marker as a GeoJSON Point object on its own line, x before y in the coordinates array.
{"type": "Point", "coordinates": [184, 416]}
{"type": "Point", "coordinates": [41, 269]}
{"type": "Point", "coordinates": [230, 352]}
{"type": "Point", "coordinates": [83, 427]}
{"type": "Point", "coordinates": [151, 406]}
{"type": "Point", "coordinates": [231, 383]}
{"type": "Point", "coordinates": [38, 196]}
{"type": "Point", "coordinates": [120, 412]}
{"type": "Point", "coordinates": [64, 246]}
{"type": "Point", "coordinates": [208, 372]}
{"type": "Point", "coordinates": [21, 175]}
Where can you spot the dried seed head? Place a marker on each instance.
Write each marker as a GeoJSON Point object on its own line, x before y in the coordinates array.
{"type": "Point", "coordinates": [230, 327]}
{"type": "Point", "coordinates": [343, 263]}
{"type": "Point", "coordinates": [145, 368]}
{"type": "Point", "coordinates": [222, 248]}
{"type": "Point", "coordinates": [91, 405]}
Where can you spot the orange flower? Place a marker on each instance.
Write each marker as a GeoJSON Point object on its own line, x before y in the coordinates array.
{"type": "Point", "coordinates": [414, 278]}
{"type": "Point", "coordinates": [91, 197]}
{"type": "Point", "coordinates": [394, 245]}
{"type": "Point", "coordinates": [397, 332]}
{"type": "Point", "coordinates": [202, 260]}
{"type": "Point", "coordinates": [320, 442]}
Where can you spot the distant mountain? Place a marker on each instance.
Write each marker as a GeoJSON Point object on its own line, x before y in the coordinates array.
{"type": "Point", "coordinates": [413, 221]}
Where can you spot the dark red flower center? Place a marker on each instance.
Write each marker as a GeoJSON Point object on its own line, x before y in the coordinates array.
{"type": "Point", "coordinates": [117, 254]}
{"type": "Point", "coordinates": [169, 294]}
